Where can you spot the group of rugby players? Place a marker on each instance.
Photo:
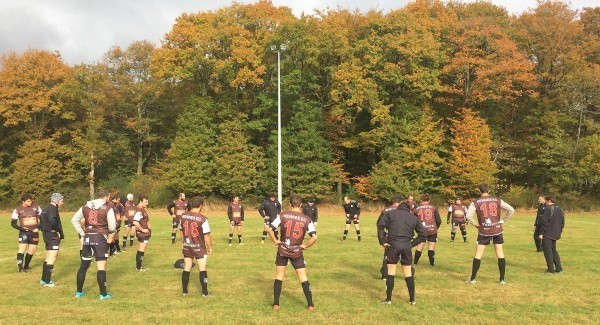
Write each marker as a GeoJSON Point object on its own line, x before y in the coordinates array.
{"type": "Point", "coordinates": [98, 224]}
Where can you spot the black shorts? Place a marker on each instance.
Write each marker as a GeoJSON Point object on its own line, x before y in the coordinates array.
{"type": "Point", "coordinates": [144, 240]}
{"type": "Point", "coordinates": [175, 222]}
{"type": "Point", "coordinates": [352, 220]}
{"type": "Point", "coordinates": [485, 240]}
{"type": "Point", "coordinates": [128, 223]}
{"type": "Point", "coordinates": [458, 223]}
{"type": "Point", "coordinates": [269, 221]}
{"type": "Point", "coordinates": [297, 262]}
{"type": "Point", "coordinates": [404, 256]}
{"type": "Point", "coordinates": [52, 241]}
{"type": "Point", "coordinates": [28, 237]}
{"type": "Point", "coordinates": [96, 246]}
{"type": "Point", "coordinates": [432, 238]}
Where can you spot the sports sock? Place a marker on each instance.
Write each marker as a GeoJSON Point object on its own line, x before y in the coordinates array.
{"type": "Point", "coordinates": [277, 291]}
{"type": "Point", "coordinates": [307, 293]}
{"type": "Point", "coordinates": [172, 238]}
{"type": "Point", "coordinates": [20, 261]}
{"type": "Point", "coordinates": [101, 277]}
{"type": "Point", "coordinates": [118, 246]}
{"type": "Point", "coordinates": [452, 235]}
{"type": "Point", "coordinates": [389, 287]}
{"type": "Point", "coordinates": [111, 249]}
{"type": "Point", "coordinates": [417, 257]}
{"type": "Point", "coordinates": [264, 235]}
{"type": "Point", "coordinates": [204, 282]}
{"type": "Point", "coordinates": [185, 279]}
{"type": "Point", "coordinates": [81, 274]}
{"type": "Point", "coordinates": [502, 267]}
{"type": "Point", "coordinates": [345, 234]}
{"type": "Point", "coordinates": [410, 284]}
{"type": "Point", "coordinates": [230, 238]}
{"type": "Point", "coordinates": [476, 264]}
{"type": "Point", "coordinates": [139, 257]}
{"type": "Point", "coordinates": [431, 255]}
{"type": "Point", "coordinates": [27, 260]}
{"type": "Point", "coordinates": [358, 234]}
{"type": "Point", "coordinates": [130, 240]}
{"type": "Point", "coordinates": [239, 239]}
{"type": "Point", "coordinates": [124, 241]}
{"type": "Point", "coordinates": [276, 232]}
{"type": "Point", "coordinates": [47, 273]}
{"type": "Point", "coordinates": [463, 231]}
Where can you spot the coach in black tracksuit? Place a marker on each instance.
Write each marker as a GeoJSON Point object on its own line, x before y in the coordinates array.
{"type": "Point", "coordinates": [400, 225]}
{"type": "Point", "coordinates": [551, 229]}
{"type": "Point", "coordinates": [538, 223]}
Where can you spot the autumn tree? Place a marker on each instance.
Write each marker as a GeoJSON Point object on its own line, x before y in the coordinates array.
{"type": "Point", "coordinates": [470, 162]}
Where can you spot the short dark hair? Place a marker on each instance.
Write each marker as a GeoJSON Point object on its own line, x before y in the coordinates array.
{"type": "Point", "coordinates": [196, 202]}
{"type": "Point", "coordinates": [550, 198]}
{"type": "Point", "coordinates": [295, 201]}
{"type": "Point", "coordinates": [425, 198]}
{"type": "Point", "coordinates": [115, 196]}
{"type": "Point", "coordinates": [101, 194]}
{"type": "Point", "coordinates": [398, 198]}
{"type": "Point", "coordinates": [26, 197]}
{"type": "Point", "coordinates": [271, 195]}
{"type": "Point", "coordinates": [142, 198]}
{"type": "Point", "coordinates": [483, 188]}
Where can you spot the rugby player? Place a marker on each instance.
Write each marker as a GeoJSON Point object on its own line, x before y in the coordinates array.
{"type": "Point", "coordinates": [352, 210]}
{"type": "Point", "coordinates": [294, 226]}
{"type": "Point", "coordinates": [129, 228]}
{"type": "Point", "coordinates": [269, 210]}
{"type": "Point", "coordinates": [51, 227]}
{"type": "Point", "coordinates": [487, 209]}
{"type": "Point", "coordinates": [119, 211]}
{"type": "Point", "coordinates": [143, 227]}
{"type": "Point", "coordinates": [429, 216]}
{"type": "Point", "coordinates": [457, 213]}
{"type": "Point", "coordinates": [395, 204]}
{"type": "Point", "coordinates": [181, 206]}
{"type": "Point", "coordinates": [197, 244]}
{"type": "Point", "coordinates": [235, 213]}
{"type": "Point", "coordinates": [98, 232]}
{"type": "Point", "coordinates": [311, 211]}
{"type": "Point", "coordinates": [538, 223]}
{"type": "Point", "coordinates": [25, 218]}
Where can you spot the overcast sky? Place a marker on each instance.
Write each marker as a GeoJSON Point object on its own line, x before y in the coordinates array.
{"type": "Point", "coordinates": [83, 30]}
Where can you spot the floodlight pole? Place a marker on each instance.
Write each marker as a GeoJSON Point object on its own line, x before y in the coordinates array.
{"type": "Point", "coordinates": [279, 49]}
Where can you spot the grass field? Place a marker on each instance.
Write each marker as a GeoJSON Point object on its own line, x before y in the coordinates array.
{"type": "Point", "coordinates": [344, 277]}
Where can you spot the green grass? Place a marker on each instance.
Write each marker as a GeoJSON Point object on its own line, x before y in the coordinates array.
{"type": "Point", "coordinates": [344, 278]}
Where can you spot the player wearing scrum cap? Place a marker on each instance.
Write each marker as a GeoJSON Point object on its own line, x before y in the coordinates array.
{"type": "Point", "coordinates": [129, 228]}
{"type": "Point", "coordinates": [235, 213]}
{"type": "Point", "coordinates": [25, 218]}
{"type": "Point", "coordinates": [457, 212]}
{"type": "Point", "coordinates": [51, 228]}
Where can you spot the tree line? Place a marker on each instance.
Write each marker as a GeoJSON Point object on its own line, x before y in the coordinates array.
{"type": "Point", "coordinates": [432, 97]}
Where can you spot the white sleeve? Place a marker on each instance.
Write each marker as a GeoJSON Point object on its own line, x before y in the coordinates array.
{"type": "Point", "coordinates": [509, 209]}
{"type": "Point", "coordinates": [470, 213]}
{"type": "Point", "coordinates": [311, 228]}
{"type": "Point", "coordinates": [112, 221]}
{"type": "Point", "coordinates": [205, 227]}
{"type": "Point", "coordinates": [137, 216]}
{"type": "Point", "coordinates": [276, 222]}
{"type": "Point", "coordinates": [76, 221]}
{"type": "Point", "coordinates": [450, 209]}
{"type": "Point", "coordinates": [15, 215]}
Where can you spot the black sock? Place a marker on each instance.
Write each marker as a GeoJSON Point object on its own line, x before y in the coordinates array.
{"type": "Point", "coordinates": [139, 257]}
{"type": "Point", "coordinates": [264, 235]}
{"type": "Point", "coordinates": [452, 235]}
{"type": "Point", "coordinates": [345, 234]}
{"type": "Point", "coordinates": [204, 282]}
{"type": "Point", "coordinates": [172, 238]}
{"type": "Point", "coordinates": [44, 272]}
{"type": "Point", "coordinates": [358, 234]}
{"type": "Point", "coordinates": [463, 231]}
{"type": "Point", "coordinates": [101, 277]}
{"type": "Point", "coordinates": [431, 255]}
{"type": "Point", "coordinates": [417, 257]}
{"type": "Point", "coordinates": [276, 232]}
{"type": "Point", "coordinates": [111, 249]}
{"type": "Point", "coordinates": [185, 279]}
{"type": "Point", "coordinates": [118, 246]}
{"type": "Point", "coordinates": [80, 253]}
{"type": "Point", "coordinates": [476, 264]}
{"type": "Point", "coordinates": [27, 260]}
{"type": "Point", "coordinates": [410, 284]}
{"type": "Point", "coordinates": [130, 240]}
{"type": "Point", "coordinates": [20, 261]}
{"type": "Point", "coordinates": [81, 274]}
{"type": "Point", "coordinates": [307, 293]}
{"type": "Point", "coordinates": [389, 287]}
{"type": "Point", "coordinates": [277, 291]}
{"type": "Point", "coordinates": [124, 241]}
{"type": "Point", "coordinates": [239, 239]}
{"type": "Point", "coordinates": [502, 267]}
{"type": "Point", "coordinates": [47, 273]}
{"type": "Point", "coordinates": [230, 238]}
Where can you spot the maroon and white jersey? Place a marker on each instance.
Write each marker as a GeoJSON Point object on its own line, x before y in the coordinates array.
{"type": "Point", "coordinates": [180, 208]}
{"type": "Point", "coordinates": [96, 218]}
{"type": "Point", "coordinates": [29, 217]}
{"type": "Point", "coordinates": [487, 209]}
{"type": "Point", "coordinates": [236, 211]}
{"type": "Point", "coordinates": [129, 211]}
{"type": "Point", "coordinates": [458, 212]}
{"type": "Point", "coordinates": [426, 214]}
{"type": "Point", "coordinates": [142, 217]}
{"type": "Point", "coordinates": [294, 226]}
{"type": "Point", "coordinates": [118, 208]}
{"type": "Point", "coordinates": [194, 226]}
